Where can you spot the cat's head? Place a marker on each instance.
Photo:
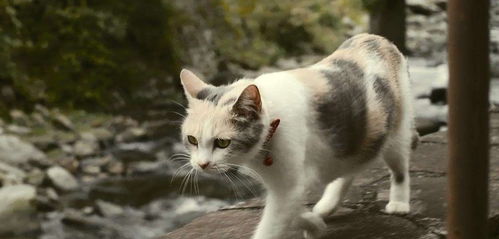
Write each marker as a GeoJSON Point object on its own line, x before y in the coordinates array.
{"type": "Point", "coordinates": [224, 125]}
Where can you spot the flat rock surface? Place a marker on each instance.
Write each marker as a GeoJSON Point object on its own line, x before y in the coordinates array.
{"type": "Point", "coordinates": [361, 216]}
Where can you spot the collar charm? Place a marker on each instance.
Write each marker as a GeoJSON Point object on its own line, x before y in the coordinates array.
{"type": "Point", "coordinates": [268, 161]}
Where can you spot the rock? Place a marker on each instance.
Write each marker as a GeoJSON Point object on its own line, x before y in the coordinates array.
{"type": "Point", "coordinates": [438, 96]}
{"type": "Point", "coordinates": [62, 179]}
{"type": "Point", "coordinates": [62, 122]}
{"type": "Point", "coordinates": [121, 123]}
{"type": "Point", "coordinates": [138, 168]}
{"type": "Point", "coordinates": [35, 177]}
{"type": "Point", "coordinates": [10, 175]}
{"type": "Point", "coordinates": [108, 209]}
{"type": "Point", "coordinates": [116, 167]}
{"type": "Point", "coordinates": [52, 194]}
{"type": "Point", "coordinates": [66, 148]}
{"type": "Point", "coordinates": [439, 85]}
{"type": "Point", "coordinates": [426, 126]}
{"type": "Point", "coordinates": [425, 110]}
{"type": "Point", "coordinates": [131, 134]}
{"type": "Point", "coordinates": [93, 165]}
{"type": "Point", "coordinates": [91, 169]}
{"type": "Point", "coordinates": [19, 130]}
{"type": "Point", "coordinates": [42, 110]}
{"type": "Point", "coordinates": [102, 134]}
{"type": "Point", "coordinates": [15, 151]}
{"type": "Point", "coordinates": [422, 7]}
{"type": "Point", "coordinates": [38, 119]}
{"type": "Point", "coordinates": [494, 91]}
{"type": "Point", "coordinates": [92, 226]}
{"type": "Point", "coordinates": [87, 145]}
{"type": "Point", "coordinates": [69, 163]}
{"type": "Point", "coordinates": [494, 61]}
{"type": "Point", "coordinates": [44, 204]}
{"type": "Point", "coordinates": [17, 209]}
{"type": "Point", "coordinates": [19, 117]}
{"type": "Point", "coordinates": [131, 152]}
{"type": "Point", "coordinates": [1, 130]}
{"type": "Point", "coordinates": [48, 139]}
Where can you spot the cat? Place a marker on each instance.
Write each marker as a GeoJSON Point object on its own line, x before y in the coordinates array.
{"type": "Point", "coordinates": [333, 118]}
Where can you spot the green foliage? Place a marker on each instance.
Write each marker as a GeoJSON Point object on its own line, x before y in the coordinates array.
{"type": "Point", "coordinates": [85, 53]}
{"type": "Point", "coordinates": [96, 54]}
{"type": "Point", "coordinates": [261, 31]}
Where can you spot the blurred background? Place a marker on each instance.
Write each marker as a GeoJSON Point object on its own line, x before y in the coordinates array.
{"type": "Point", "coordinates": [90, 100]}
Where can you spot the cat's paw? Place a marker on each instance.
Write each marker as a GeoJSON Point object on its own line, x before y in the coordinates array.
{"type": "Point", "coordinates": [313, 224]}
{"type": "Point", "coordinates": [397, 208]}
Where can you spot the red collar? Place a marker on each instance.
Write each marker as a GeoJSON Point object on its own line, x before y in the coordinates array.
{"type": "Point", "coordinates": [273, 128]}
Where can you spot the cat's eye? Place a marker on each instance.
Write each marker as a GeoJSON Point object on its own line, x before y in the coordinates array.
{"type": "Point", "coordinates": [192, 140]}
{"type": "Point", "coordinates": [222, 143]}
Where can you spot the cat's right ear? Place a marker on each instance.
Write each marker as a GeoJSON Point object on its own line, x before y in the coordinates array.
{"type": "Point", "coordinates": [191, 83]}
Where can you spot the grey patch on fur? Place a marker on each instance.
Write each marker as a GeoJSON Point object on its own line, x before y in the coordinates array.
{"type": "Point", "coordinates": [396, 54]}
{"type": "Point", "coordinates": [343, 114]}
{"type": "Point", "coordinates": [212, 94]}
{"type": "Point", "coordinates": [372, 44]}
{"type": "Point", "coordinates": [386, 97]}
{"type": "Point", "coordinates": [249, 134]}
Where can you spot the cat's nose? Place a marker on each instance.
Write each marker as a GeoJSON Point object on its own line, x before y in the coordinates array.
{"type": "Point", "coordinates": [204, 165]}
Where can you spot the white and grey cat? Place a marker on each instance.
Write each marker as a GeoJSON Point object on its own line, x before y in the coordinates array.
{"type": "Point", "coordinates": [335, 116]}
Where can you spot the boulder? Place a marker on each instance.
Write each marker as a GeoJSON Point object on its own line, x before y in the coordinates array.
{"type": "Point", "coordinates": [19, 117]}
{"type": "Point", "coordinates": [87, 145]}
{"type": "Point", "coordinates": [15, 151]}
{"type": "Point", "coordinates": [11, 175]}
{"type": "Point", "coordinates": [42, 110]}
{"type": "Point", "coordinates": [19, 130]}
{"type": "Point", "coordinates": [62, 179]}
{"type": "Point", "coordinates": [108, 209]}
{"type": "Point", "coordinates": [62, 122]}
{"type": "Point", "coordinates": [17, 209]}
{"type": "Point", "coordinates": [131, 134]}
{"type": "Point", "coordinates": [422, 7]}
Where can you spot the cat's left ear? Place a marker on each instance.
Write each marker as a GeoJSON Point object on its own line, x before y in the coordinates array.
{"type": "Point", "coordinates": [191, 83]}
{"type": "Point", "coordinates": [249, 103]}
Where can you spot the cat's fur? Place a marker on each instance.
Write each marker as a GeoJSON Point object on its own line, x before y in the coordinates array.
{"type": "Point", "coordinates": [336, 116]}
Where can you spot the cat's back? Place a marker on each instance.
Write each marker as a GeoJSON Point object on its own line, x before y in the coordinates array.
{"type": "Point", "coordinates": [356, 93]}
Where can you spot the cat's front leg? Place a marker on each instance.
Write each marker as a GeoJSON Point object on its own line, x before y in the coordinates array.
{"type": "Point", "coordinates": [281, 216]}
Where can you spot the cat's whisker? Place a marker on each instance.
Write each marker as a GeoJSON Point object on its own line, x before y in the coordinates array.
{"type": "Point", "coordinates": [177, 172]}
{"type": "Point", "coordinates": [245, 184]}
{"type": "Point", "coordinates": [247, 171]}
{"type": "Point", "coordinates": [237, 191]}
{"type": "Point", "coordinates": [225, 178]}
{"type": "Point", "coordinates": [197, 182]}
{"type": "Point", "coordinates": [233, 186]}
{"type": "Point", "coordinates": [177, 103]}
{"type": "Point", "coordinates": [189, 174]}
{"type": "Point", "coordinates": [177, 113]}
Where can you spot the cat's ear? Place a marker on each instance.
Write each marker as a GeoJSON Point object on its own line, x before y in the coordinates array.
{"type": "Point", "coordinates": [191, 83]}
{"type": "Point", "coordinates": [249, 103]}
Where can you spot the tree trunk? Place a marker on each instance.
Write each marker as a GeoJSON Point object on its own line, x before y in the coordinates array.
{"type": "Point", "coordinates": [388, 19]}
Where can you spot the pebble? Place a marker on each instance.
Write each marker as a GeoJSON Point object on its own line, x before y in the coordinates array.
{"type": "Point", "coordinates": [62, 179]}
